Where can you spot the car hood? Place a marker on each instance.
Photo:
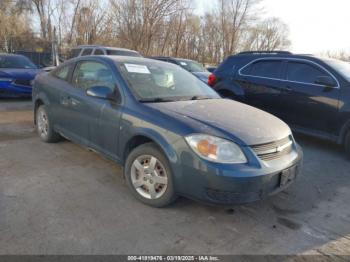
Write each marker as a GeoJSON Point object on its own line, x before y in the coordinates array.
{"type": "Point", "coordinates": [248, 124]}
{"type": "Point", "coordinates": [27, 74]}
{"type": "Point", "coordinates": [202, 76]}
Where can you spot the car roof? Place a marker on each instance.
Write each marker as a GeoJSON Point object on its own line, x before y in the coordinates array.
{"type": "Point", "coordinates": [274, 54]}
{"type": "Point", "coordinates": [104, 47]}
{"type": "Point", "coordinates": [115, 58]}
{"type": "Point", "coordinates": [173, 58]}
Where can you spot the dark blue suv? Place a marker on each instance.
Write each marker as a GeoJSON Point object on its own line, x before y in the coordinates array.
{"type": "Point", "coordinates": [311, 94]}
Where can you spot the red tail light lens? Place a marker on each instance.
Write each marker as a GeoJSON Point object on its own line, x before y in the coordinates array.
{"type": "Point", "coordinates": [211, 80]}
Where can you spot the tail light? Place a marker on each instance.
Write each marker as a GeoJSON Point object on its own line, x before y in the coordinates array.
{"type": "Point", "coordinates": [211, 80]}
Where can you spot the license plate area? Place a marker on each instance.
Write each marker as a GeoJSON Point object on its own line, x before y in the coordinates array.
{"type": "Point", "coordinates": [287, 176]}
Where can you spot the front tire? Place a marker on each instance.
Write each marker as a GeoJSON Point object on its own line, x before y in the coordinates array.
{"type": "Point", "coordinates": [149, 177]}
{"type": "Point", "coordinates": [44, 126]}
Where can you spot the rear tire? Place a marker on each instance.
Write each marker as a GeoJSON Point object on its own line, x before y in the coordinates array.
{"type": "Point", "coordinates": [347, 144]}
{"type": "Point", "coordinates": [44, 126]}
{"type": "Point", "coordinates": [149, 177]}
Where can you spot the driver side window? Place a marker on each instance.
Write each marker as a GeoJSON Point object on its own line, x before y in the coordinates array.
{"type": "Point", "coordinates": [90, 73]}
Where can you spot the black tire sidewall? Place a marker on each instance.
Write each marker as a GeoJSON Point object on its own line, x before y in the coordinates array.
{"type": "Point", "coordinates": [347, 144]}
{"type": "Point", "coordinates": [151, 149]}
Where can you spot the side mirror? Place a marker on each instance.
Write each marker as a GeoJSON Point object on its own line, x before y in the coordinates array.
{"type": "Point", "coordinates": [326, 81]}
{"type": "Point", "coordinates": [102, 92]}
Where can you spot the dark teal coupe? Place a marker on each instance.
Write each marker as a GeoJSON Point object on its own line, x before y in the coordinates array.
{"type": "Point", "coordinates": [172, 133]}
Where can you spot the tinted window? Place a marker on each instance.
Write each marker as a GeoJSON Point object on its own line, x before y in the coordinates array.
{"type": "Point", "coordinates": [87, 51]}
{"type": "Point", "coordinates": [75, 52]}
{"type": "Point", "coordinates": [122, 53]}
{"type": "Point", "coordinates": [271, 69]}
{"type": "Point", "coordinates": [62, 72]}
{"type": "Point", "coordinates": [16, 61]}
{"type": "Point", "coordinates": [98, 52]}
{"type": "Point", "coordinates": [89, 73]}
{"type": "Point", "coordinates": [301, 72]}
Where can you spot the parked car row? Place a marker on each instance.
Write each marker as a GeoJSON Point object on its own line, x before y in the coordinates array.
{"type": "Point", "coordinates": [10, 89]}
{"type": "Point", "coordinates": [309, 93]}
{"type": "Point", "coordinates": [177, 136]}
{"type": "Point", "coordinates": [174, 135]}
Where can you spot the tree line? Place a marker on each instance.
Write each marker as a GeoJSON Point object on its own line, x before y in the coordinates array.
{"type": "Point", "coordinates": [152, 27]}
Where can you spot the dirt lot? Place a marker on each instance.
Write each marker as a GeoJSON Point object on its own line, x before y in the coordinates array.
{"type": "Point", "coordinates": [63, 199]}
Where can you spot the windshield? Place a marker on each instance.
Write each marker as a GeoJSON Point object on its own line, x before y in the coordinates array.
{"type": "Point", "coordinates": [122, 53]}
{"type": "Point", "coordinates": [192, 66]}
{"type": "Point", "coordinates": [341, 67]}
{"type": "Point", "coordinates": [157, 82]}
{"type": "Point", "coordinates": [20, 62]}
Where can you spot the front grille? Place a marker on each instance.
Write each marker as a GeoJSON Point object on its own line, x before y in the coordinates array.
{"type": "Point", "coordinates": [274, 150]}
{"type": "Point", "coordinates": [22, 82]}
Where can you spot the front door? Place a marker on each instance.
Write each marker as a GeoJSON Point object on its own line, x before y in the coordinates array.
{"type": "Point", "coordinates": [95, 120]}
{"type": "Point", "coordinates": [264, 84]}
{"type": "Point", "coordinates": [307, 104]}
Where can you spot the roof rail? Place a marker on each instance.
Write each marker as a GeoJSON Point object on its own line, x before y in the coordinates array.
{"type": "Point", "coordinates": [265, 52]}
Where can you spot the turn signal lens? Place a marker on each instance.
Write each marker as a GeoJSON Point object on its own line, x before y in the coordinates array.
{"type": "Point", "coordinates": [216, 149]}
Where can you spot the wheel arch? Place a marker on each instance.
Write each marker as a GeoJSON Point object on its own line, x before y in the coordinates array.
{"type": "Point", "coordinates": [148, 136]}
{"type": "Point", "coordinates": [343, 132]}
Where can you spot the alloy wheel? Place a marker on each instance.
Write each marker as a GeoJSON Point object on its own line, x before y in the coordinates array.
{"type": "Point", "coordinates": [149, 177]}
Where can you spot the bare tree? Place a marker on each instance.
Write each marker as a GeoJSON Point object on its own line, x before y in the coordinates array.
{"type": "Point", "coordinates": [270, 34]}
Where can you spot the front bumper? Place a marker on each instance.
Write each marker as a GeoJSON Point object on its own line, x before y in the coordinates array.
{"type": "Point", "coordinates": [9, 89]}
{"type": "Point", "coordinates": [237, 184]}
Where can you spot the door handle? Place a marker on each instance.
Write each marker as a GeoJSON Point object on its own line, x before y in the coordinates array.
{"type": "Point", "coordinates": [65, 100]}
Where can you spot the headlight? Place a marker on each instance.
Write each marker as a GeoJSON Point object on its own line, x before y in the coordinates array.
{"type": "Point", "coordinates": [216, 149]}
{"type": "Point", "coordinates": [5, 79]}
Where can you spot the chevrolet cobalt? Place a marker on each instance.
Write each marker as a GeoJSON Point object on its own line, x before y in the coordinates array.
{"type": "Point", "coordinates": [172, 133]}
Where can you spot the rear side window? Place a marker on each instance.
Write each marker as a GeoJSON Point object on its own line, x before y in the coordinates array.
{"type": "Point", "coordinates": [62, 73]}
{"type": "Point", "coordinates": [75, 52]}
{"type": "Point", "coordinates": [269, 69]}
{"type": "Point", "coordinates": [302, 72]}
{"type": "Point", "coordinates": [98, 52]}
{"type": "Point", "coordinates": [90, 73]}
{"type": "Point", "coordinates": [87, 51]}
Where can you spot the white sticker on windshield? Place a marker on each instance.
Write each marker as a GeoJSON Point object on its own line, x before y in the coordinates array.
{"type": "Point", "coordinates": [183, 63]}
{"type": "Point", "coordinates": [133, 68]}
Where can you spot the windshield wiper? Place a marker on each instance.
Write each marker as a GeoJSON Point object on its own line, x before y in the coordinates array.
{"type": "Point", "coordinates": [200, 97]}
{"type": "Point", "coordinates": [155, 100]}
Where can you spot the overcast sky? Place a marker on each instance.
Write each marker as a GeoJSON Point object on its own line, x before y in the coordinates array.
{"type": "Point", "coordinates": [315, 25]}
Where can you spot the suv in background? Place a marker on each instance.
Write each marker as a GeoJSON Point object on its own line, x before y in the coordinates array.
{"type": "Point", "coordinates": [84, 50]}
{"type": "Point", "coordinates": [311, 94]}
{"type": "Point", "coordinates": [197, 69]}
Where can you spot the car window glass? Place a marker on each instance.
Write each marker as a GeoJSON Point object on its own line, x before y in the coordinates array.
{"type": "Point", "coordinates": [270, 69]}
{"type": "Point", "coordinates": [16, 61]}
{"type": "Point", "coordinates": [62, 73]}
{"type": "Point", "coordinates": [87, 51]}
{"type": "Point", "coordinates": [98, 52]}
{"type": "Point", "coordinates": [150, 80]}
{"type": "Point", "coordinates": [90, 73]}
{"type": "Point", "coordinates": [75, 52]}
{"type": "Point", "coordinates": [302, 72]}
{"type": "Point", "coordinates": [122, 53]}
